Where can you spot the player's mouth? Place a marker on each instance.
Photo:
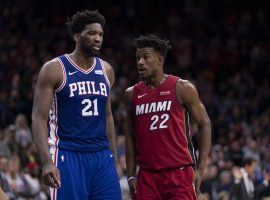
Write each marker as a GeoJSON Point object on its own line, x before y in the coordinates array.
{"type": "Point", "coordinates": [96, 47]}
{"type": "Point", "coordinates": [141, 70]}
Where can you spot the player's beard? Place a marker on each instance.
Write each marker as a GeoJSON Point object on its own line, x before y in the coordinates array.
{"type": "Point", "coordinates": [87, 50]}
{"type": "Point", "coordinates": [148, 77]}
{"type": "Point", "coordinates": [142, 77]}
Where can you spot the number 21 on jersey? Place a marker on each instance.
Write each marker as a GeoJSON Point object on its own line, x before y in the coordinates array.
{"type": "Point", "coordinates": [91, 107]}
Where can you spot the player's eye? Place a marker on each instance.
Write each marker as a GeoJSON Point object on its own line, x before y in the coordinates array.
{"type": "Point", "coordinates": [91, 33]}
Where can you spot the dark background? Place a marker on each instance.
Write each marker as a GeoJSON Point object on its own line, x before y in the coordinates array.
{"type": "Point", "coordinates": [221, 46]}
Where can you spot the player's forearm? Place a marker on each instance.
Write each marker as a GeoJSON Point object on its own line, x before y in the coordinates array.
{"type": "Point", "coordinates": [112, 138]}
{"type": "Point", "coordinates": [131, 155]}
{"type": "Point", "coordinates": [113, 147]}
{"type": "Point", "coordinates": [40, 137]}
{"type": "Point", "coordinates": [204, 141]}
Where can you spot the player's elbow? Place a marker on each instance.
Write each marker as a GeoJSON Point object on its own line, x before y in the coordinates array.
{"type": "Point", "coordinates": [38, 118]}
{"type": "Point", "coordinates": [35, 116]}
{"type": "Point", "coordinates": [205, 123]}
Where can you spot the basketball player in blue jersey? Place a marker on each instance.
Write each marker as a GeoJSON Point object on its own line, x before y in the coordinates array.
{"type": "Point", "coordinates": [79, 157]}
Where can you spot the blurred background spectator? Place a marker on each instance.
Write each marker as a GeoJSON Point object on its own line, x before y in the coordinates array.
{"type": "Point", "coordinates": [263, 190]}
{"type": "Point", "coordinates": [223, 47]}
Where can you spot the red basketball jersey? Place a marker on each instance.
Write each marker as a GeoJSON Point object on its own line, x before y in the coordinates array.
{"type": "Point", "coordinates": [162, 127]}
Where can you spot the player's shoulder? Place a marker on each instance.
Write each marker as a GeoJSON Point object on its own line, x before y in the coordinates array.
{"type": "Point", "coordinates": [185, 85]}
{"type": "Point", "coordinates": [107, 66]}
{"type": "Point", "coordinates": [51, 65]}
{"type": "Point", "coordinates": [129, 93]}
{"type": "Point", "coordinates": [108, 70]}
{"type": "Point", "coordinates": [51, 71]}
{"type": "Point", "coordinates": [134, 89]}
{"type": "Point", "coordinates": [130, 89]}
{"type": "Point", "coordinates": [186, 91]}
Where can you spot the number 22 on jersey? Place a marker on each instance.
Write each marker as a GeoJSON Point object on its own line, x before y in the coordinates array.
{"type": "Point", "coordinates": [159, 122]}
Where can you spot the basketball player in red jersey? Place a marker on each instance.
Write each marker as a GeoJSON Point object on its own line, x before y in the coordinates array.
{"type": "Point", "coordinates": [159, 110]}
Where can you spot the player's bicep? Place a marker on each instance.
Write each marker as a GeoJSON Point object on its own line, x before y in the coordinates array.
{"type": "Point", "coordinates": [110, 129]}
{"type": "Point", "coordinates": [128, 98]}
{"type": "Point", "coordinates": [198, 112]}
{"type": "Point", "coordinates": [190, 99]}
{"type": "Point", "coordinates": [108, 107]}
{"type": "Point", "coordinates": [129, 126]}
{"type": "Point", "coordinates": [43, 92]}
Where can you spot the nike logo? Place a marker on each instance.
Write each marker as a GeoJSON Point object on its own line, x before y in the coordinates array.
{"type": "Point", "coordinates": [140, 96]}
{"type": "Point", "coordinates": [111, 155]}
{"type": "Point", "coordinates": [70, 73]}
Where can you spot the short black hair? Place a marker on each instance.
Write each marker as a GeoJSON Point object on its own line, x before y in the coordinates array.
{"type": "Point", "coordinates": [153, 41]}
{"type": "Point", "coordinates": [79, 20]}
{"type": "Point", "coordinates": [248, 161]}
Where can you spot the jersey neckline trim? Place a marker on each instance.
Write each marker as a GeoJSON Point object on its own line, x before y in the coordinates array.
{"type": "Point", "coordinates": [79, 68]}
{"type": "Point", "coordinates": [160, 85]}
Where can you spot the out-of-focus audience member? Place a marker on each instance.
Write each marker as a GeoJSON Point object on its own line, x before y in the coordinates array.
{"type": "Point", "coordinates": [4, 185]}
{"type": "Point", "coordinates": [243, 187]}
{"type": "Point", "coordinates": [263, 190]}
{"type": "Point", "coordinates": [225, 181]}
{"type": "Point", "coordinates": [22, 131]}
{"type": "Point", "coordinates": [15, 178]}
{"type": "Point", "coordinates": [223, 195]}
{"type": "Point", "coordinates": [3, 195]}
{"type": "Point", "coordinates": [210, 182]}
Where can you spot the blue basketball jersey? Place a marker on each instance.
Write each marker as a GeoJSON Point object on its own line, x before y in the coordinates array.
{"type": "Point", "coordinates": [78, 111]}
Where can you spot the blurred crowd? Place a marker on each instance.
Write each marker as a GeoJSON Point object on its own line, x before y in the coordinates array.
{"type": "Point", "coordinates": [223, 47]}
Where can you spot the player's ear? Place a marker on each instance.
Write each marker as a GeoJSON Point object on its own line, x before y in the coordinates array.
{"type": "Point", "coordinates": [161, 60]}
{"type": "Point", "coordinates": [76, 37]}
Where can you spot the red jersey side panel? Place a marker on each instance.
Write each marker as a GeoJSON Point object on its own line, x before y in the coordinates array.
{"type": "Point", "coordinates": [161, 127]}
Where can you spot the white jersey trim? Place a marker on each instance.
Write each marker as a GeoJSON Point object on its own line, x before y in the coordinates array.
{"type": "Point", "coordinates": [80, 69]}
{"type": "Point", "coordinates": [64, 76]}
{"type": "Point", "coordinates": [104, 72]}
{"type": "Point", "coordinates": [53, 140]}
{"type": "Point", "coordinates": [54, 156]}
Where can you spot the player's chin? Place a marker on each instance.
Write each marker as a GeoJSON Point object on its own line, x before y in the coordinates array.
{"type": "Point", "coordinates": [142, 76]}
{"type": "Point", "coordinates": [95, 52]}
{"type": "Point", "coordinates": [91, 51]}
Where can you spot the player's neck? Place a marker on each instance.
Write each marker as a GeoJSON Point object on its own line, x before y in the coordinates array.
{"type": "Point", "coordinates": [155, 81]}
{"type": "Point", "coordinates": [82, 60]}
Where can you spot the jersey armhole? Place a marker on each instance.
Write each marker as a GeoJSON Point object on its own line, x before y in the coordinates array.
{"type": "Point", "coordinates": [104, 72]}
{"type": "Point", "coordinates": [134, 94]}
{"type": "Point", "coordinates": [59, 88]}
{"type": "Point", "coordinates": [175, 93]}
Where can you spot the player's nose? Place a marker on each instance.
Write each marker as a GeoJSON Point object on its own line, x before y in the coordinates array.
{"type": "Point", "coordinates": [140, 62]}
{"type": "Point", "coordinates": [98, 39]}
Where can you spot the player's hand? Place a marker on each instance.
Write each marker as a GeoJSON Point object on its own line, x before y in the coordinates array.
{"type": "Point", "coordinates": [132, 188]}
{"type": "Point", "coordinates": [198, 181]}
{"type": "Point", "coordinates": [51, 175]}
